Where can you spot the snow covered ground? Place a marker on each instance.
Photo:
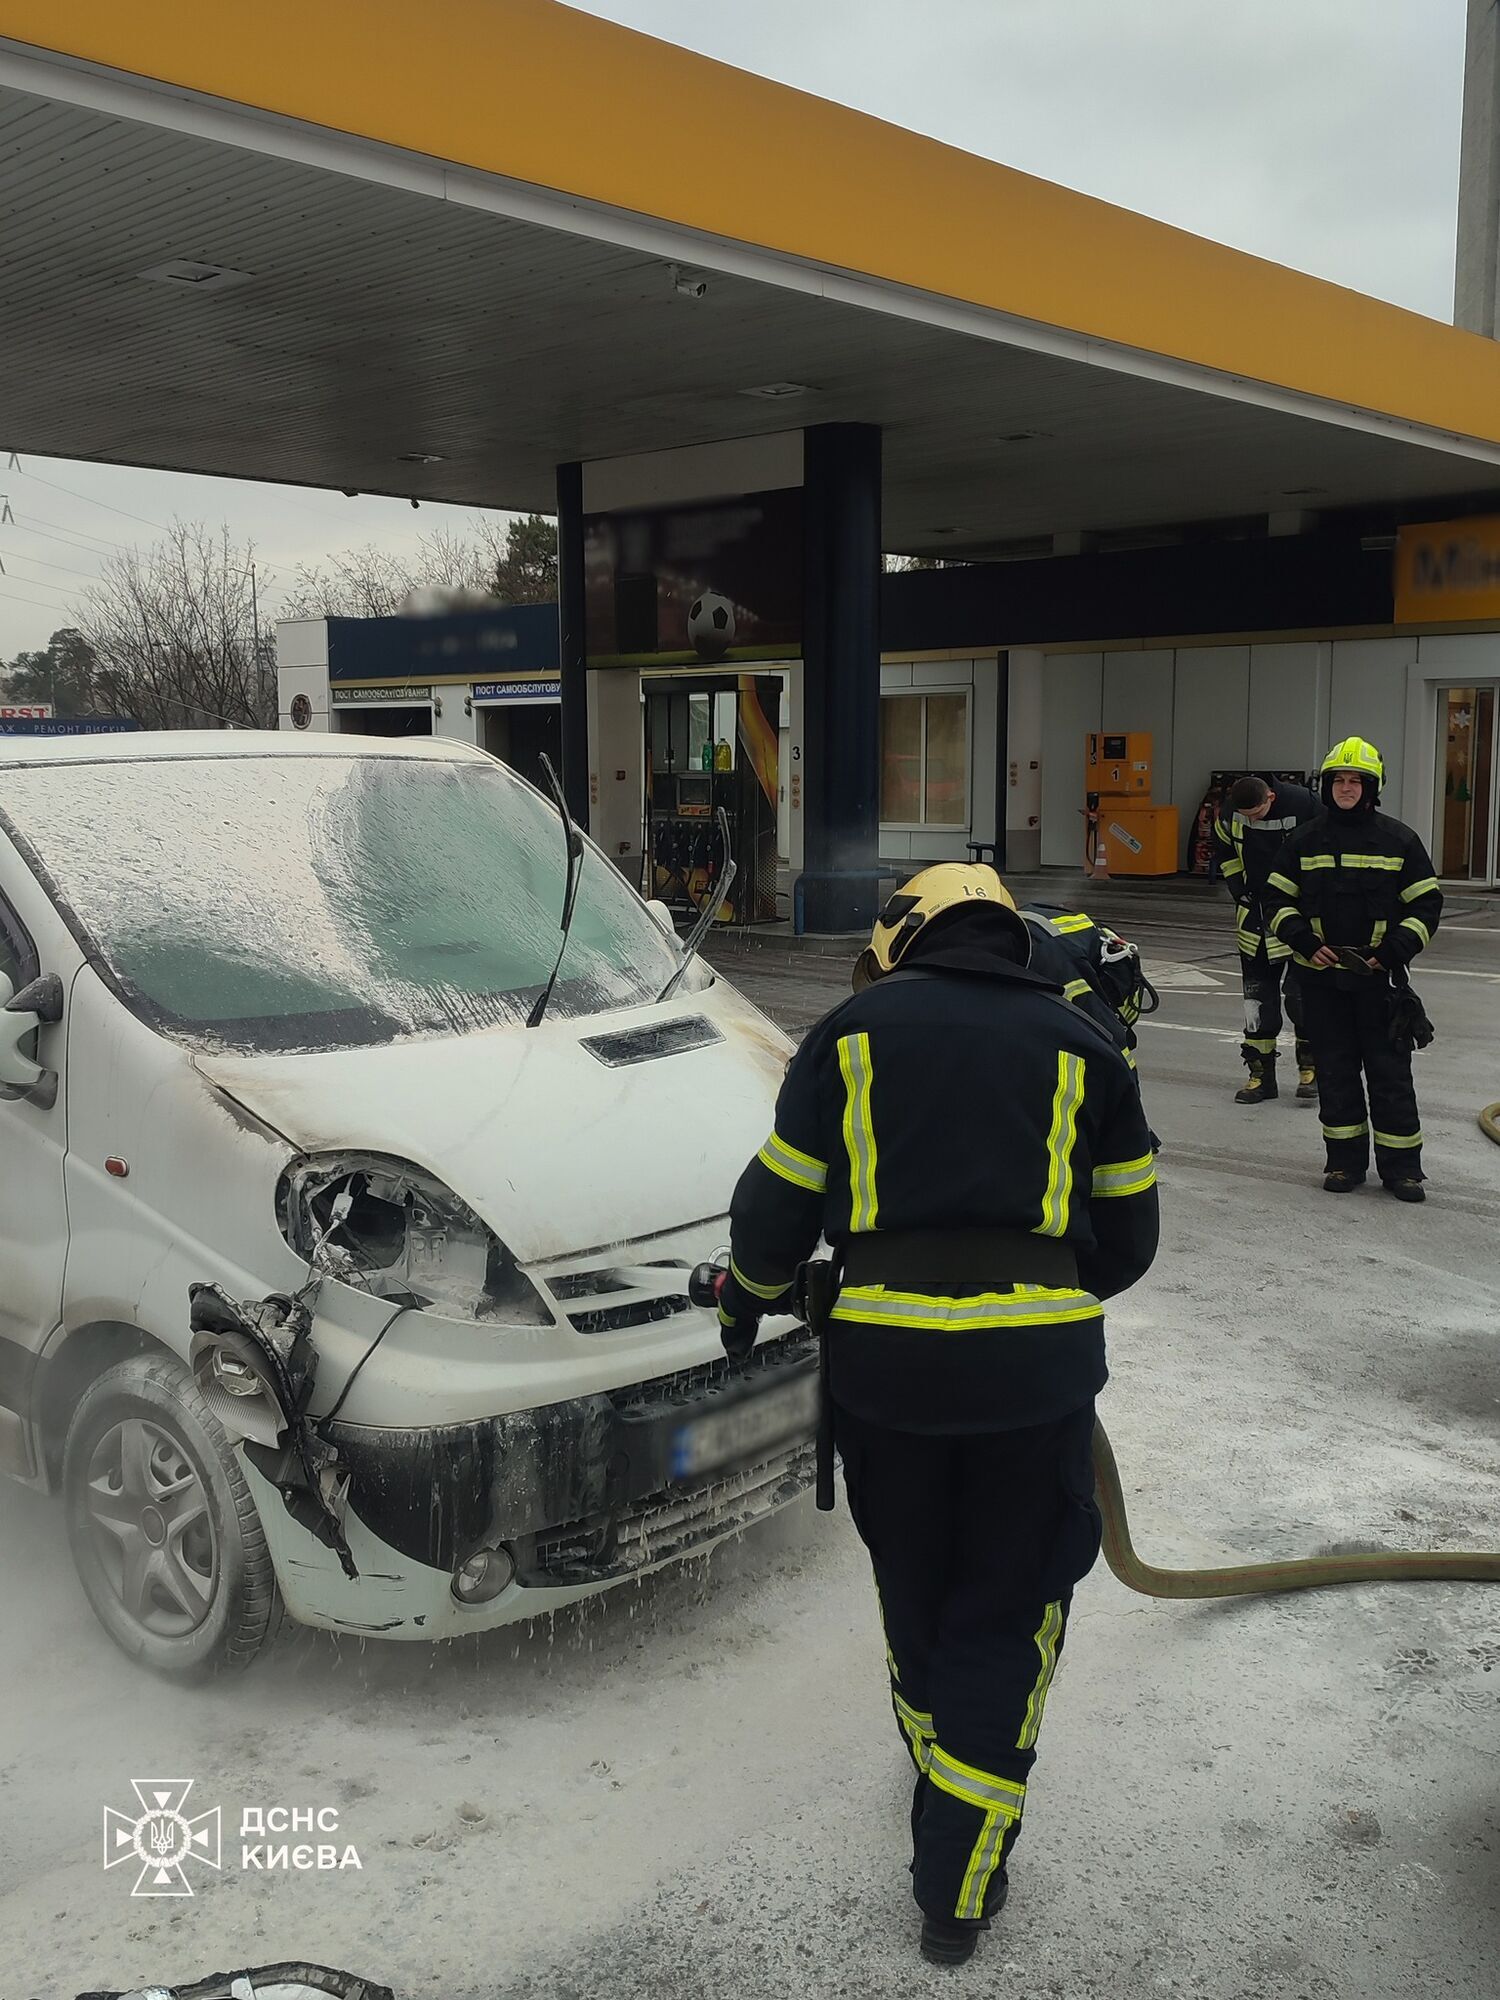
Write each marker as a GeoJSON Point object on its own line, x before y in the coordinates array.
{"type": "Point", "coordinates": [695, 1787]}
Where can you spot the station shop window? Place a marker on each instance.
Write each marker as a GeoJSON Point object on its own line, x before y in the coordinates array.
{"type": "Point", "coordinates": [924, 760]}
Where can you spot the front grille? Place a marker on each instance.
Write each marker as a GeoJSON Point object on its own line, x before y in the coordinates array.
{"type": "Point", "coordinates": [612, 1291]}
{"type": "Point", "coordinates": [667, 1524]}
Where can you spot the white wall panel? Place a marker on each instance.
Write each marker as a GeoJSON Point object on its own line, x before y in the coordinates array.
{"type": "Point", "coordinates": [1138, 695]}
{"type": "Point", "coordinates": [1072, 695]}
{"type": "Point", "coordinates": [1210, 727]}
{"type": "Point", "coordinates": [1369, 700]}
{"type": "Point", "coordinates": [1284, 728]}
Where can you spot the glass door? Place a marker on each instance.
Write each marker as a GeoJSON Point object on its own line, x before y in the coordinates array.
{"type": "Point", "coordinates": [1464, 836]}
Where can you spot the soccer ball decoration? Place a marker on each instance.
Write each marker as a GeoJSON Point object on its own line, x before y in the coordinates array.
{"type": "Point", "coordinates": [711, 625]}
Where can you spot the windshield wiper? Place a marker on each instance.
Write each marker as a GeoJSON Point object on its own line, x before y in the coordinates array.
{"type": "Point", "coordinates": [706, 914]}
{"type": "Point", "coordinates": [570, 889]}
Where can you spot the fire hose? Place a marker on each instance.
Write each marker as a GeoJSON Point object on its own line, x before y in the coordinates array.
{"type": "Point", "coordinates": [818, 1281]}
{"type": "Point", "coordinates": [1489, 1122]}
{"type": "Point", "coordinates": [1257, 1579]}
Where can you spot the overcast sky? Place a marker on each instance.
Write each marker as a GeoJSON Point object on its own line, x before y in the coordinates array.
{"type": "Point", "coordinates": [1320, 133]}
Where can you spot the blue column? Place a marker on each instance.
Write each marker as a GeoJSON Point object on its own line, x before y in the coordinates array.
{"type": "Point", "coordinates": [572, 650]}
{"type": "Point", "coordinates": [841, 673]}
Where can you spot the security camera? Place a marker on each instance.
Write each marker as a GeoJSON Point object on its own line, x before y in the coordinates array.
{"type": "Point", "coordinates": [691, 284]}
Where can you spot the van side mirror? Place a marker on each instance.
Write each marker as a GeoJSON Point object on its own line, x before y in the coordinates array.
{"type": "Point", "coordinates": [39, 1004]}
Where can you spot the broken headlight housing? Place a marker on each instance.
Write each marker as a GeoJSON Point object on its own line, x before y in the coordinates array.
{"type": "Point", "coordinates": [403, 1236]}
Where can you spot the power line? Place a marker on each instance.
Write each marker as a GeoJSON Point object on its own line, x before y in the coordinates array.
{"type": "Point", "coordinates": [87, 499]}
{"type": "Point", "coordinates": [40, 602]}
{"type": "Point", "coordinates": [28, 523]}
{"type": "Point", "coordinates": [64, 567]}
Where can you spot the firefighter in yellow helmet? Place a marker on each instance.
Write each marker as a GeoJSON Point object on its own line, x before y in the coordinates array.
{"type": "Point", "coordinates": [972, 1146]}
{"type": "Point", "coordinates": [1354, 895]}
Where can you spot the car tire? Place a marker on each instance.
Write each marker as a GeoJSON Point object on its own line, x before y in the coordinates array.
{"type": "Point", "coordinates": [163, 1527]}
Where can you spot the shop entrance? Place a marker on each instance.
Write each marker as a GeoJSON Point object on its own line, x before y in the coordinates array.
{"type": "Point", "coordinates": [1464, 836]}
{"type": "Point", "coordinates": [520, 734]}
{"type": "Point", "coordinates": [713, 742]}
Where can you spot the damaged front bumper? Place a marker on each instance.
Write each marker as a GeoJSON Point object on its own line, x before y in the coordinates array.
{"type": "Point", "coordinates": [575, 1495]}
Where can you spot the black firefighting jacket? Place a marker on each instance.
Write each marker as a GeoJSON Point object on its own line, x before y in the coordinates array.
{"type": "Point", "coordinates": [962, 1101]}
{"type": "Point", "coordinates": [1247, 851]}
{"type": "Point", "coordinates": [1354, 878]}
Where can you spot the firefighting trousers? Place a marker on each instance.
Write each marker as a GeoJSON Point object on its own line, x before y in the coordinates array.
{"type": "Point", "coordinates": [977, 1541]}
{"type": "Point", "coordinates": [1263, 979]}
{"type": "Point", "coordinates": [1348, 1021]}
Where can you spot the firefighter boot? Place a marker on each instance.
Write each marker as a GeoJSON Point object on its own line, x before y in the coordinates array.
{"type": "Point", "coordinates": [1307, 1075]}
{"type": "Point", "coordinates": [1261, 1087]}
{"type": "Point", "coordinates": [951, 1940]}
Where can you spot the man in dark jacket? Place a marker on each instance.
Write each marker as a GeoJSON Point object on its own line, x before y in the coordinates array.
{"type": "Point", "coordinates": [974, 1150]}
{"type": "Point", "coordinates": [1256, 823]}
{"type": "Point", "coordinates": [1354, 895]}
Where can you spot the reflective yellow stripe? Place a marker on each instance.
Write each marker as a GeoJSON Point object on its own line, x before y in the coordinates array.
{"type": "Point", "coordinates": [1048, 1634]}
{"type": "Point", "coordinates": [1129, 1055]}
{"type": "Point", "coordinates": [1282, 916]}
{"type": "Point", "coordinates": [1261, 1047]}
{"type": "Point", "coordinates": [801, 1169]}
{"type": "Point", "coordinates": [1394, 863]}
{"type": "Point", "coordinates": [1312, 861]}
{"type": "Point", "coordinates": [1284, 883]}
{"type": "Point", "coordinates": [1416, 925]}
{"type": "Point", "coordinates": [976, 1787]}
{"type": "Point", "coordinates": [1426, 887]}
{"type": "Point", "coordinates": [917, 1729]}
{"type": "Point", "coordinates": [1066, 1100]}
{"type": "Point", "coordinates": [1072, 923]}
{"type": "Point", "coordinates": [1125, 1177]}
{"type": "Point", "coordinates": [1378, 932]}
{"type": "Point", "coordinates": [858, 1072]}
{"type": "Point", "coordinates": [1075, 988]}
{"type": "Point", "coordinates": [1022, 1305]}
{"type": "Point", "coordinates": [1233, 866]}
{"type": "Point", "coordinates": [749, 1284]}
{"type": "Point", "coordinates": [999, 1800]}
{"type": "Point", "coordinates": [1398, 1139]}
{"type": "Point", "coordinates": [1359, 1131]}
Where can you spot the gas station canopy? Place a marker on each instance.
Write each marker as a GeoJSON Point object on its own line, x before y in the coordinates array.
{"type": "Point", "coordinates": [440, 251]}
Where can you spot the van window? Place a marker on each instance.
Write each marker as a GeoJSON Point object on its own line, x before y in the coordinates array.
{"type": "Point", "coordinates": [280, 903]}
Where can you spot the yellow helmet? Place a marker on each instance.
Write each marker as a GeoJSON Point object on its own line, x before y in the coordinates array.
{"type": "Point", "coordinates": [932, 892]}
{"type": "Point", "coordinates": [1354, 754]}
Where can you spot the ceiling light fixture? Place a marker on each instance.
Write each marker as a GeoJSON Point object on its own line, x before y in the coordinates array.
{"type": "Point", "coordinates": [190, 277]}
{"type": "Point", "coordinates": [420, 458]}
{"type": "Point", "coordinates": [958, 530]}
{"type": "Point", "coordinates": [1020, 437]}
{"type": "Point", "coordinates": [779, 392]}
{"type": "Point", "coordinates": [1301, 492]}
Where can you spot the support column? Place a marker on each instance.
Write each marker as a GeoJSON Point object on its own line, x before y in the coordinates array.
{"type": "Point", "coordinates": [841, 671]}
{"type": "Point", "coordinates": [572, 649]}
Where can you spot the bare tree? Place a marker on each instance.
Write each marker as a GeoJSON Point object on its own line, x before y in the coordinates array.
{"type": "Point", "coordinates": [174, 634]}
{"type": "Point", "coordinates": [504, 561]}
{"type": "Point", "coordinates": [370, 582]}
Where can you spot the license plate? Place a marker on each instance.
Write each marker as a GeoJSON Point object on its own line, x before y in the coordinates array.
{"type": "Point", "coordinates": [747, 1428]}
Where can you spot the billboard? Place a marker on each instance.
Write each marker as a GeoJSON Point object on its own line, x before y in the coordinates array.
{"type": "Point", "coordinates": [1448, 572]}
{"type": "Point", "coordinates": [34, 711]}
{"type": "Point", "coordinates": [714, 581]}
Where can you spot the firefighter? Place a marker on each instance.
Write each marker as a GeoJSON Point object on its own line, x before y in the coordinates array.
{"type": "Point", "coordinates": [1257, 821]}
{"type": "Point", "coordinates": [1355, 897]}
{"type": "Point", "coordinates": [979, 1210]}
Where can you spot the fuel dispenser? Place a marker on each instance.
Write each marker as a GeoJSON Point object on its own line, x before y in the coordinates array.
{"type": "Point", "coordinates": [1124, 834]}
{"type": "Point", "coordinates": [713, 742]}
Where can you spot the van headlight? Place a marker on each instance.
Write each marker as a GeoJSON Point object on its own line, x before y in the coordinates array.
{"type": "Point", "coordinates": [391, 1229]}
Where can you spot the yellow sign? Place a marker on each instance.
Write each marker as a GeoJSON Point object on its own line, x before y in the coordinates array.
{"type": "Point", "coordinates": [1448, 572]}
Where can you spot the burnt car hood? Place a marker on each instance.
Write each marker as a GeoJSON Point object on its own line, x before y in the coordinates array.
{"type": "Point", "coordinates": [558, 1150]}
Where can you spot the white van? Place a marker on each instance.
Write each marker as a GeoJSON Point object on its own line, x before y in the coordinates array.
{"type": "Point", "coordinates": [266, 1036]}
